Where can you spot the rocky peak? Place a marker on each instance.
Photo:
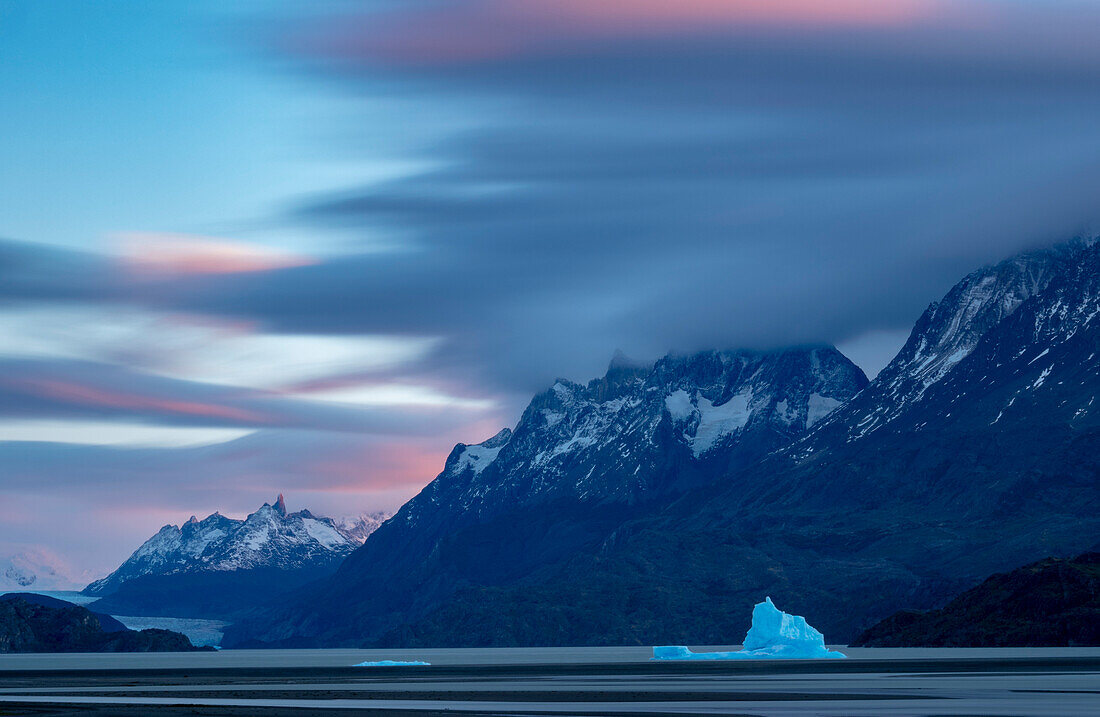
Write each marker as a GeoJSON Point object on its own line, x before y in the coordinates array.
{"type": "Point", "coordinates": [269, 537]}
{"type": "Point", "coordinates": [502, 437]}
{"type": "Point", "coordinates": [619, 437]}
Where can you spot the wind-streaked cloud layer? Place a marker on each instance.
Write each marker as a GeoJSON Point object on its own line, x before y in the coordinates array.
{"type": "Point", "coordinates": [526, 185]}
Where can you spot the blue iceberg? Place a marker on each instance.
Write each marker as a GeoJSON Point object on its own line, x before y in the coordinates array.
{"type": "Point", "coordinates": [774, 635]}
{"type": "Point", "coordinates": [390, 663]}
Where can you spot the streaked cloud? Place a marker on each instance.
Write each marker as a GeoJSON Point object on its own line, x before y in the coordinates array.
{"type": "Point", "coordinates": [109, 433]}
{"type": "Point", "coordinates": [195, 347]}
{"type": "Point", "coordinates": [478, 30]}
{"type": "Point", "coordinates": [149, 254]}
{"type": "Point", "coordinates": [83, 390]}
{"type": "Point", "coordinates": [395, 394]}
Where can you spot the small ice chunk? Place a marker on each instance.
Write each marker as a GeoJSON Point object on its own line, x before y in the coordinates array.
{"type": "Point", "coordinates": [774, 635]}
{"type": "Point", "coordinates": [390, 663]}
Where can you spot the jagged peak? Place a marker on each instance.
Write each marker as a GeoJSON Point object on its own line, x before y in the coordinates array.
{"type": "Point", "coordinates": [221, 543]}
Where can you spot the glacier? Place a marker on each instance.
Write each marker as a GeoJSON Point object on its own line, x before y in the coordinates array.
{"type": "Point", "coordinates": [774, 635]}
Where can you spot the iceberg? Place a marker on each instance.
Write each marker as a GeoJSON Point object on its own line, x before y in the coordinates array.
{"type": "Point", "coordinates": [390, 663]}
{"type": "Point", "coordinates": [774, 635]}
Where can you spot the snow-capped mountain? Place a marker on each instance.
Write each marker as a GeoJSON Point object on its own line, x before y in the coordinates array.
{"type": "Point", "coordinates": [640, 506]}
{"type": "Point", "coordinates": [269, 538]}
{"type": "Point", "coordinates": [358, 528]}
{"type": "Point", "coordinates": [580, 461]}
{"type": "Point", "coordinates": [642, 431]}
{"type": "Point", "coordinates": [948, 332]}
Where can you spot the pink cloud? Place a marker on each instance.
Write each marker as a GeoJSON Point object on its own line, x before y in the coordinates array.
{"type": "Point", "coordinates": [486, 29]}
{"type": "Point", "coordinates": [88, 395]}
{"type": "Point", "coordinates": [615, 15]}
{"type": "Point", "coordinates": [153, 255]}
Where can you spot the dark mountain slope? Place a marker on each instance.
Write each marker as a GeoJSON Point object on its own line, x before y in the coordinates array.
{"type": "Point", "coordinates": [1051, 603]}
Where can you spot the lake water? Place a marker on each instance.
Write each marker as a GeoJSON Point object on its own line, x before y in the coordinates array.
{"type": "Point", "coordinates": [561, 681]}
{"type": "Point", "coordinates": [873, 682]}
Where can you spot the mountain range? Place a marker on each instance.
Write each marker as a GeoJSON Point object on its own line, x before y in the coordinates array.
{"type": "Point", "coordinates": [218, 565]}
{"type": "Point", "coordinates": [650, 505]}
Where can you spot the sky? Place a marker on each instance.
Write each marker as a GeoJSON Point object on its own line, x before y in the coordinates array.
{"type": "Point", "coordinates": [307, 247]}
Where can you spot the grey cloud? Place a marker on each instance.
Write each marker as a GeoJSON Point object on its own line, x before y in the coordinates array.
{"type": "Point", "coordinates": [71, 389]}
{"type": "Point", "coordinates": [711, 189]}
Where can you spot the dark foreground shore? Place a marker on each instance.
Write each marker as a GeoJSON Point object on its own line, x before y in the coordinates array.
{"type": "Point", "coordinates": [1034, 682]}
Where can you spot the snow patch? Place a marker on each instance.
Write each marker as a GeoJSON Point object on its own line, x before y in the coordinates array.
{"type": "Point", "coordinates": [553, 418]}
{"type": "Point", "coordinates": [477, 458]}
{"type": "Point", "coordinates": [818, 406]}
{"type": "Point", "coordinates": [1044, 353]}
{"type": "Point", "coordinates": [1042, 377]}
{"type": "Point", "coordinates": [679, 405]}
{"type": "Point", "coordinates": [258, 539]}
{"type": "Point", "coordinates": [323, 533]}
{"type": "Point", "coordinates": [718, 421]}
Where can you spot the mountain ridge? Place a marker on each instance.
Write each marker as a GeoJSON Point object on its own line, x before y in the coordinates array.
{"type": "Point", "coordinates": [581, 460]}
